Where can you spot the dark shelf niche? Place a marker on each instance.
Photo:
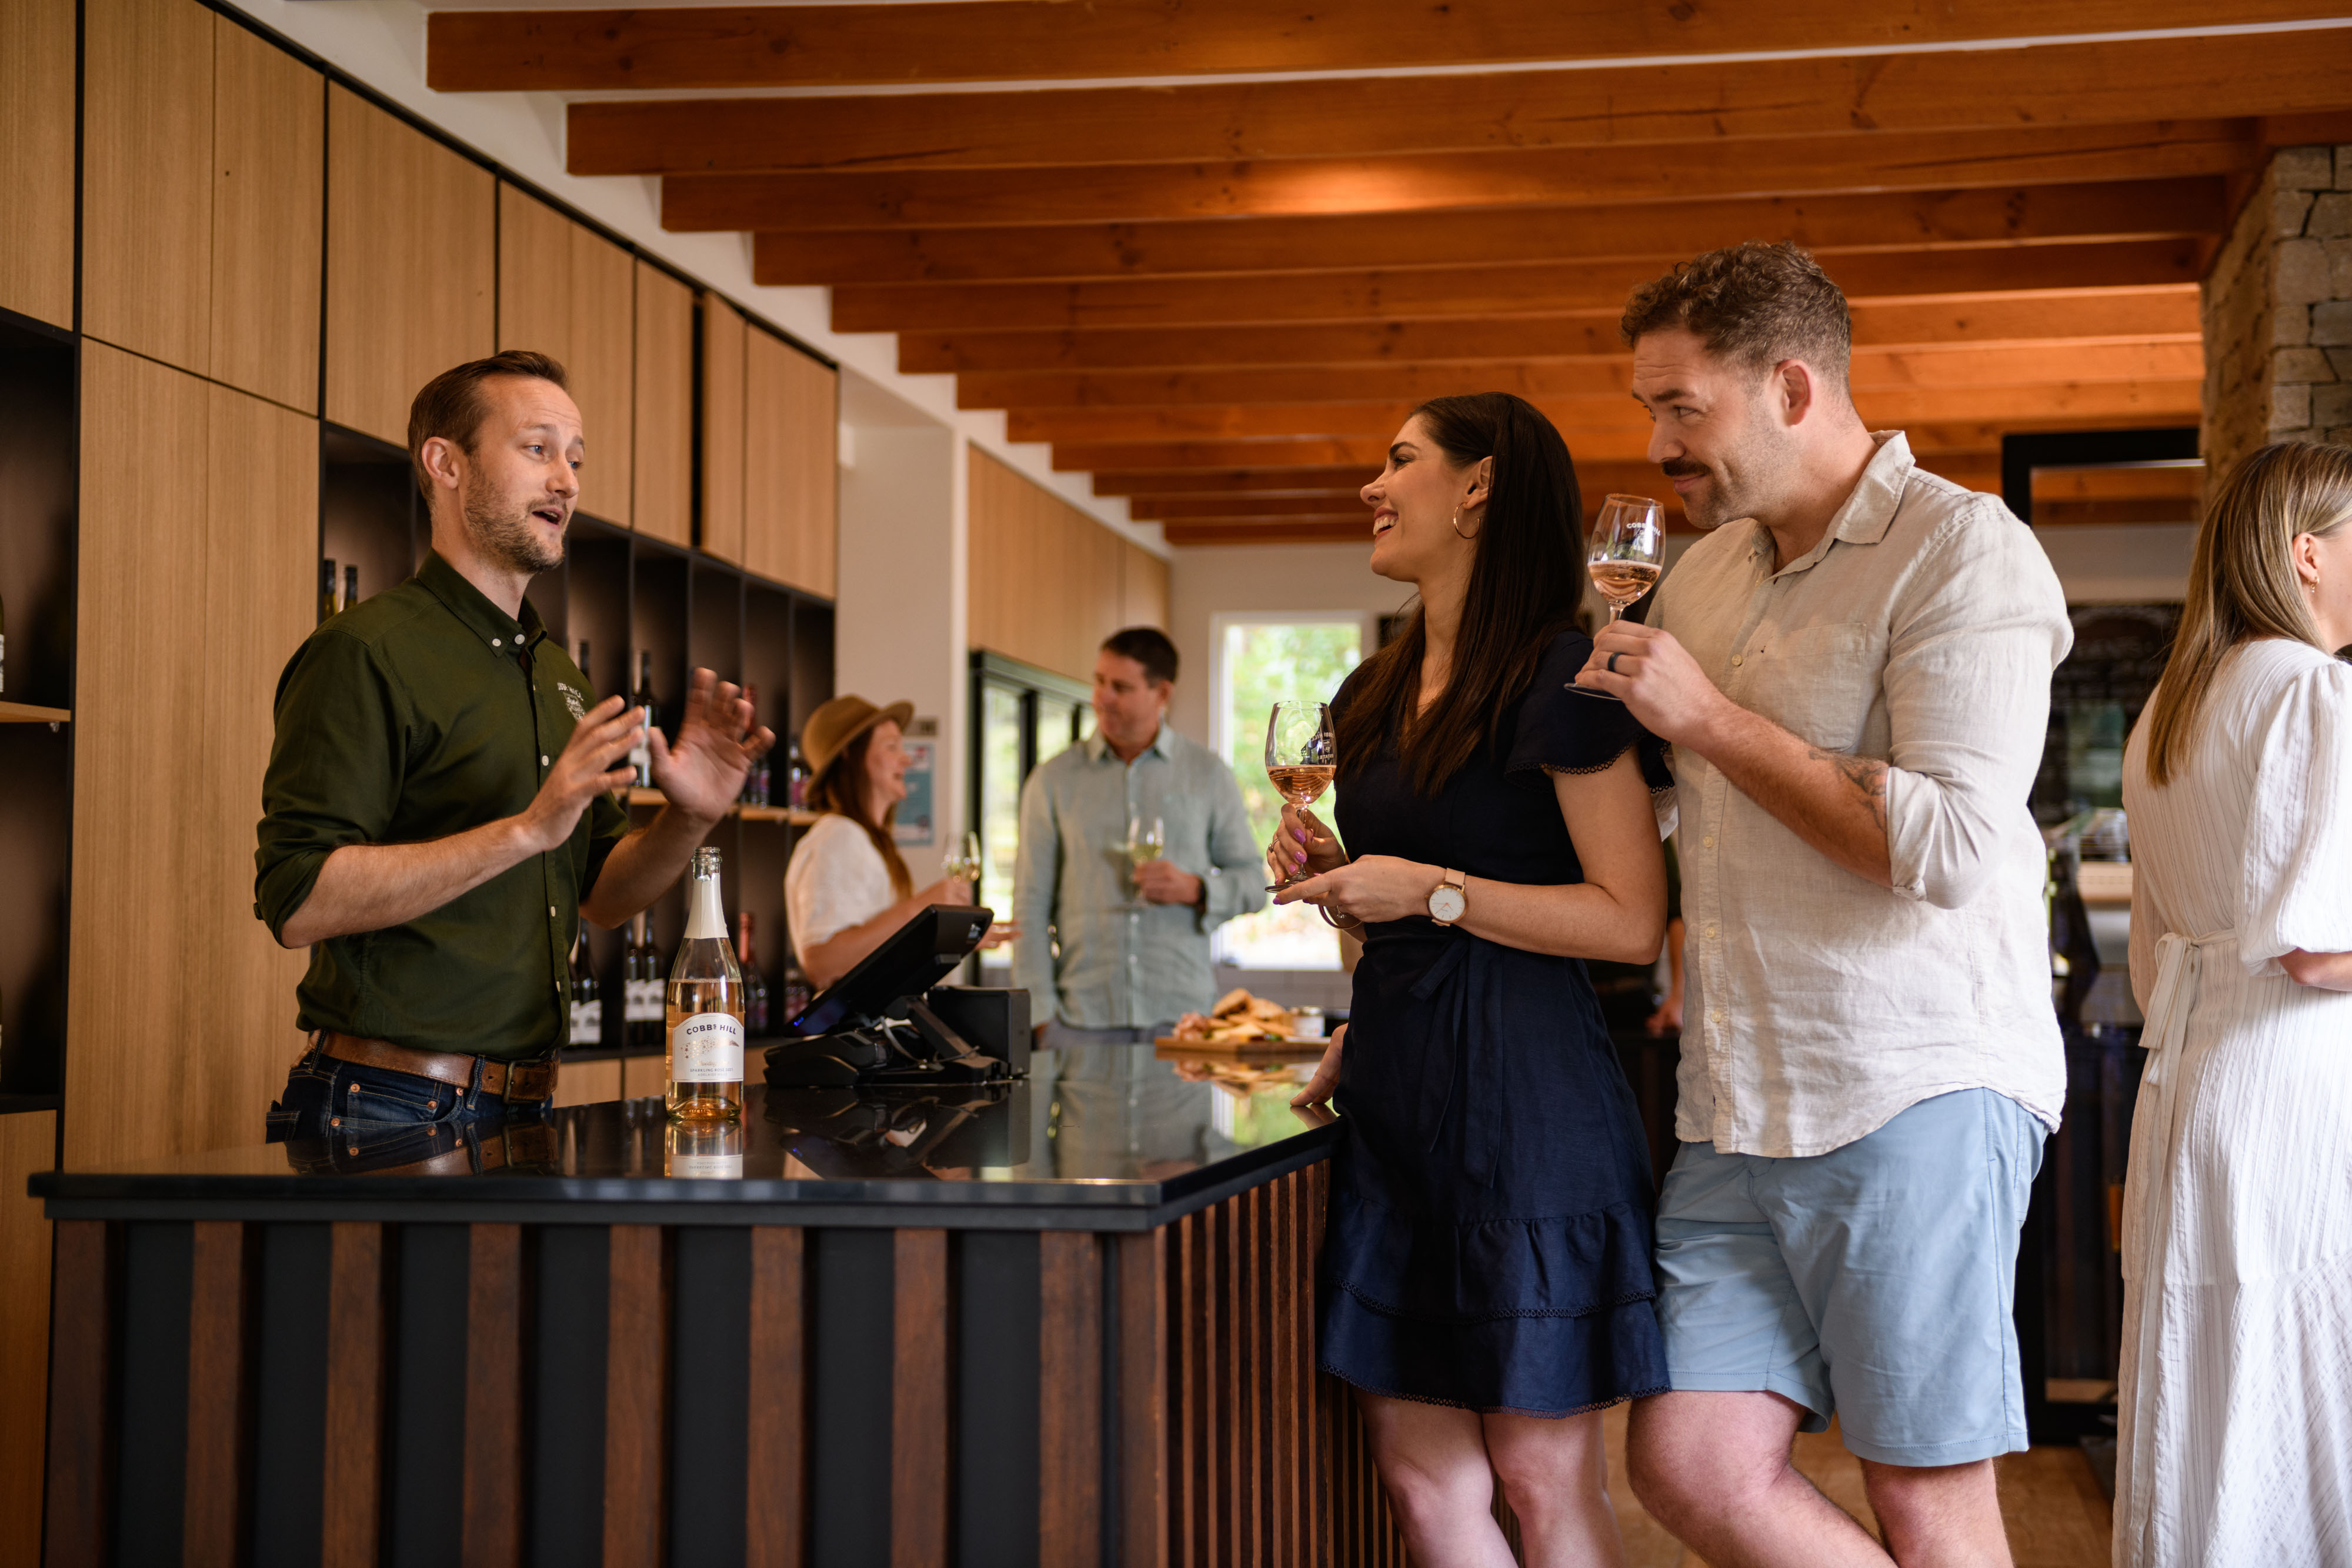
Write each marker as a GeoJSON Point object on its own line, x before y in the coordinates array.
{"type": "Point", "coordinates": [38, 491]}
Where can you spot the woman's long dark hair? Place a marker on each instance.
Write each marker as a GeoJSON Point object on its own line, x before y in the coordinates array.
{"type": "Point", "coordinates": [1525, 586]}
{"type": "Point", "coordinates": [841, 788]}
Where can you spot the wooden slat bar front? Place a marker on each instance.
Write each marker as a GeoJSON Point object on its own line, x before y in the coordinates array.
{"type": "Point", "coordinates": [517, 1372]}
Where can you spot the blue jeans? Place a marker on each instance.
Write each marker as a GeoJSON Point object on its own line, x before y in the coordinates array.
{"type": "Point", "coordinates": [326, 1098]}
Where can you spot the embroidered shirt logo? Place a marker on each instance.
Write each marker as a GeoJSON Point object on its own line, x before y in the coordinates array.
{"type": "Point", "coordinates": [571, 699]}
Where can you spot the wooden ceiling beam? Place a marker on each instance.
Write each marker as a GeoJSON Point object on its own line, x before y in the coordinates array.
{"type": "Point", "coordinates": [1452, 292]}
{"type": "Point", "coordinates": [1704, 102]}
{"type": "Point", "coordinates": [2138, 315]}
{"type": "Point", "coordinates": [1872, 370]}
{"type": "Point", "coordinates": [1110, 194]}
{"type": "Point", "coordinates": [2017, 407]}
{"type": "Point", "coordinates": [1825, 225]}
{"type": "Point", "coordinates": [1001, 41]}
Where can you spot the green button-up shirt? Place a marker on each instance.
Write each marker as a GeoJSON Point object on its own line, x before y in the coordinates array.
{"type": "Point", "coordinates": [1122, 964]}
{"type": "Point", "coordinates": [420, 712]}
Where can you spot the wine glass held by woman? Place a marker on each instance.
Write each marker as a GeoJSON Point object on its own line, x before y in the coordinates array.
{"type": "Point", "coordinates": [1495, 825]}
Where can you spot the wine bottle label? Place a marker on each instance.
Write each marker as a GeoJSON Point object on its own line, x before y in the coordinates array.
{"type": "Point", "coordinates": [706, 1047]}
{"type": "Point", "coordinates": [729, 1166]}
{"type": "Point", "coordinates": [641, 1002]}
{"type": "Point", "coordinates": [588, 1023]}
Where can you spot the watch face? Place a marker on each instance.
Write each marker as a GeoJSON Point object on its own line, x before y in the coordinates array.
{"type": "Point", "coordinates": [1446, 903]}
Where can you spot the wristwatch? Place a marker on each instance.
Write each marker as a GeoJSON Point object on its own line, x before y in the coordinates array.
{"type": "Point", "coordinates": [1449, 899]}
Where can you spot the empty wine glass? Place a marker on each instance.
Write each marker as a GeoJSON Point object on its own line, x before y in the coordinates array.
{"type": "Point", "coordinates": [1628, 545]}
{"type": "Point", "coordinates": [1302, 756]}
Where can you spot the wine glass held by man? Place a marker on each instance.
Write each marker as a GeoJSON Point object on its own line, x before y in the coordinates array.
{"type": "Point", "coordinates": [1495, 825]}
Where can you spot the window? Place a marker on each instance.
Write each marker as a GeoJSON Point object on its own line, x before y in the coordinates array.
{"type": "Point", "coordinates": [1023, 717]}
{"type": "Point", "coordinates": [1258, 662]}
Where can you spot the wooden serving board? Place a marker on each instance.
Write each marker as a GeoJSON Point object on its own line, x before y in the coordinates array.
{"type": "Point", "coordinates": [1242, 1048]}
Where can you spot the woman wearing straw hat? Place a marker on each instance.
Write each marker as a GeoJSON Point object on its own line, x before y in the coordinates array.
{"type": "Point", "coordinates": [847, 888]}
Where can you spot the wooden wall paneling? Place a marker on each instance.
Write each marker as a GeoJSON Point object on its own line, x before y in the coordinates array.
{"type": "Point", "coordinates": [261, 507]}
{"type": "Point", "coordinates": [220, 1413]}
{"type": "Point", "coordinates": [492, 1500]}
{"type": "Point", "coordinates": [28, 1145]}
{"type": "Point", "coordinates": [412, 265]}
{"type": "Point", "coordinates": [664, 460]}
{"type": "Point", "coordinates": [270, 214]}
{"type": "Point", "coordinates": [1143, 587]}
{"type": "Point", "coordinates": [1147, 1452]}
{"type": "Point", "coordinates": [586, 1083]}
{"type": "Point", "coordinates": [1070, 1398]}
{"type": "Point", "coordinates": [790, 482]}
{"type": "Point", "coordinates": [723, 349]}
{"type": "Point", "coordinates": [635, 1397]}
{"type": "Point", "coordinates": [767, 478]}
{"type": "Point", "coordinates": [36, 159]}
{"type": "Point", "coordinates": [919, 1429]}
{"type": "Point", "coordinates": [81, 1402]}
{"type": "Point", "coordinates": [139, 695]}
{"type": "Point", "coordinates": [776, 1449]}
{"type": "Point", "coordinates": [147, 140]}
{"type": "Point", "coordinates": [1103, 604]}
{"type": "Point", "coordinates": [355, 1364]}
{"type": "Point", "coordinates": [566, 291]}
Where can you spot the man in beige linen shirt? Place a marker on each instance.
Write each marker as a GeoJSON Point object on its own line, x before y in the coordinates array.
{"type": "Point", "coordinates": [1853, 669]}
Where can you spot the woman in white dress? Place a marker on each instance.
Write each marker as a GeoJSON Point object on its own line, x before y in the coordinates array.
{"type": "Point", "coordinates": [2236, 1444]}
{"type": "Point", "coordinates": [847, 888]}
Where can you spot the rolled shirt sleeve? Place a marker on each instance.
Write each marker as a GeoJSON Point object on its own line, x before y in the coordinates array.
{"type": "Point", "coordinates": [334, 769]}
{"type": "Point", "coordinates": [1234, 884]}
{"type": "Point", "coordinates": [1966, 687]}
{"type": "Point", "coordinates": [1036, 874]}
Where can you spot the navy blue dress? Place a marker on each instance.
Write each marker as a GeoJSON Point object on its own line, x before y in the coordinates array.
{"type": "Point", "coordinates": [1488, 1240]}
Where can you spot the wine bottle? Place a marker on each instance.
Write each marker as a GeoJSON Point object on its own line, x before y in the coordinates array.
{"type": "Point", "coordinates": [796, 780]}
{"type": "Point", "coordinates": [797, 994]}
{"type": "Point", "coordinates": [755, 984]}
{"type": "Point", "coordinates": [351, 587]}
{"type": "Point", "coordinates": [705, 1149]}
{"type": "Point", "coordinates": [587, 998]}
{"type": "Point", "coordinates": [326, 587]}
{"type": "Point", "coordinates": [585, 673]}
{"type": "Point", "coordinates": [641, 755]}
{"type": "Point", "coordinates": [641, 989]}
{"type": "Point", "coordinates": [704, 1076]}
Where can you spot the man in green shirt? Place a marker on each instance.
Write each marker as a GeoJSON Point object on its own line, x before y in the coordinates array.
{"type": "Point", "coordinates": [438, 812]}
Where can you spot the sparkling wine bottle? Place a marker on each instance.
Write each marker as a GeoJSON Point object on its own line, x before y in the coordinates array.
{"type": "Point", "coordinates": [705, 1017]}
{"type": "Point", "coordinates": [641, 755]}
{"type": "Point", "coordinates": [755, 982]}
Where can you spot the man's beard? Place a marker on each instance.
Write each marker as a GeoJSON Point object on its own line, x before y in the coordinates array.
{"type": "Point", "coordinates": [505, 536]}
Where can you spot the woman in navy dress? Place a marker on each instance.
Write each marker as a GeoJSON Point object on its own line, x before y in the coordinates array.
{"type": "Point", "coordinates": [1486, 1275]}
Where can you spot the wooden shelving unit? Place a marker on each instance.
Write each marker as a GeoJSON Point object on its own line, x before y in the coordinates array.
{"type": "Point", "coordinates": [25, 713]}
{"type": "Point", "coordinates": [794, 817]}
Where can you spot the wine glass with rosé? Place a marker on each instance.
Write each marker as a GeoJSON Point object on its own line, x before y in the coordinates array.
{"type": "Point", "coordinates": [1629, 541]}
{"type": "Point", "coordinates": [1302, 756]}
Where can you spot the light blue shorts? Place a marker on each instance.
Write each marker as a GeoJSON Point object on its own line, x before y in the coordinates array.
{"type": "Point", "coordinates": [1873, 1282]}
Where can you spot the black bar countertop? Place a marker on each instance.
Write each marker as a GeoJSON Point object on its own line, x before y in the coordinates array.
{"type": "Point", "coordinates": [1100, 1138]}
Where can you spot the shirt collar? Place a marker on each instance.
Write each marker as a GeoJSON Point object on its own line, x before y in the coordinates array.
{"type": "Point", "coordinates": [1869, 508]}
{"type": "Point", "coordinates": [473, 608]}
{"type": "Point", "coordinates": [1097, 748]}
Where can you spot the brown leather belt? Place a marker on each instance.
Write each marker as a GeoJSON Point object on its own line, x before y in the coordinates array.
{"type": "Point", "coordinates": [515, 1081]}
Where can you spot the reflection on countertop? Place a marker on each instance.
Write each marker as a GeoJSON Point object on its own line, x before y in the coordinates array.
{"type": "Point", "coordinates": [1095, 1126]}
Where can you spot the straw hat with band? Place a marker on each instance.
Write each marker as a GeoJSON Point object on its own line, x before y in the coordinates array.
{"type": "Point", "coordinates": [831, 728]}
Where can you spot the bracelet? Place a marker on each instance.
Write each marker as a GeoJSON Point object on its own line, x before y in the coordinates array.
{"type": "Point", "coordinates": [1344, 923]}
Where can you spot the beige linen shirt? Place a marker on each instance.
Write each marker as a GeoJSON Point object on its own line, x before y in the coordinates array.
{"type": "Point", "coordinates": [1921, 631]}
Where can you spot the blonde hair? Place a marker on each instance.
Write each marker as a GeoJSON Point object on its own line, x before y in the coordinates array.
{"type": "Point", "coordinates": [2243, 583]}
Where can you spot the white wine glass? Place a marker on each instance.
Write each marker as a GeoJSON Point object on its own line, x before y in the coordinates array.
{"type": "Point", "coordinates": [1147, 840]}
{"type": "Point", "coordinates": [1302, 757]}
{"type": "Point", "coordinates": [1628, 546]}
{"type": "Point", "coordinates": [966, 867]}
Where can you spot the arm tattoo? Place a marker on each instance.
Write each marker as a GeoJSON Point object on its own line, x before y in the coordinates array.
{"type": "Point", "coordinates": [1866, 774]}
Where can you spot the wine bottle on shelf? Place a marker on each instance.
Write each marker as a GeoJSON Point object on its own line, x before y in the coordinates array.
{"type": "Point", "coordinates": [587, 674]}
{"type": "Point", "coordinates": [796, 780]}
{"type": "Point", "coordinates": [326, 587]}
{"type": "Point", "coordinates": [641, 988]}
{"type": "Point", "coordinates": [350, 588]}
{"type": "Point", "coordinates": [641, 755]}
{"type": "Point", "coordinates": [587, 997]}
{"type": "Point", "coordinates": [704, 1075]}
{"type": "Point", "coordinates": [755, 982]}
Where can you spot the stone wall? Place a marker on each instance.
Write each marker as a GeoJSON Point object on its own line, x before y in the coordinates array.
{"type": "Point", "coordinates": [2278, 312]}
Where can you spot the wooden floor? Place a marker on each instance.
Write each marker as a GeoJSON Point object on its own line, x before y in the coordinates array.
{"type": "Point", "coordinates": [2057, 1516]}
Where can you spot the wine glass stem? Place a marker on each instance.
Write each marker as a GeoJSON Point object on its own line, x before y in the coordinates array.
{"type": "Point", "coordinates": [1615, 610]}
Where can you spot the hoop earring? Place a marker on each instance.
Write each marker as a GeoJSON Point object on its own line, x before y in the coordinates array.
{"type": "Point", "coordinates": [1473, 538]}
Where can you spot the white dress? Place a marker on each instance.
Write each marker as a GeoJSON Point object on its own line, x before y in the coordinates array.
{"type": "Point", "coordinates": [2236, 1446]}
{"type": "Point", "coordinates": [837, 879]}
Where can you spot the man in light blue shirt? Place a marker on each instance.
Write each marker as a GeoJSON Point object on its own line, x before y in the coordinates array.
{"type": "Point", "coordinates": [1111, 953]}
